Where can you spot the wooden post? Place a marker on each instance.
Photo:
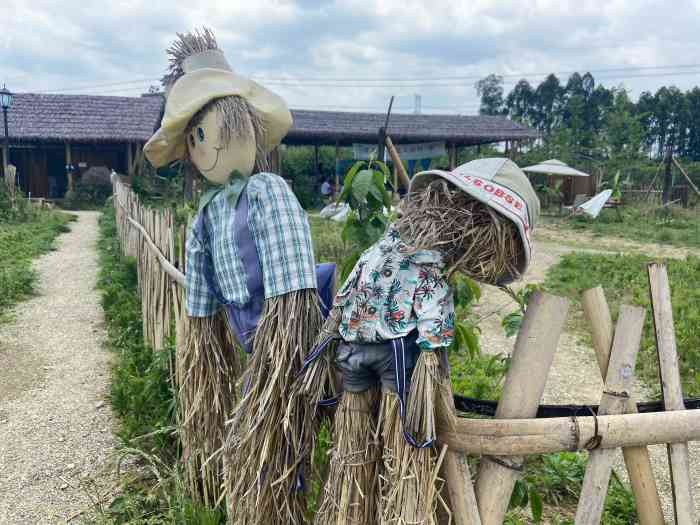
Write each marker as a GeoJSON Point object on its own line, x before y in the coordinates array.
{"type": "Point", "coordinates": [69, 172]}
{"type": "Point", "coordinates": [646, 495]}
{"type": "Point", "coordinates": [532, 357]}
{"type": "Point", "coordinates": [618, 383]}
{"type": "Point", "coordinates": [692, 184]}
{"type": "Point", "coordinates": [129, 159]}
{"type": "Point", "coordinates": [668, 176]}
{"type": "Point", "coordinates": [452, 155]}
{"type": "Point", "coordinates": [403, 178]}
{"type": "Point", "coordinates": [461, 489]}
{"type": "Point", "coordinates": [316, 163]}
{"type": "Point", "coordinates": [681, 482]}
{"type": "Point", "coordinates": [337, 168]}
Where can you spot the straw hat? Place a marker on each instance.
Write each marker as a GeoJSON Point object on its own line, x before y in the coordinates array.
{"type": "Point", "coordinates": [208, 76]}
{"type": "Point", "coordinates": [500, 184]}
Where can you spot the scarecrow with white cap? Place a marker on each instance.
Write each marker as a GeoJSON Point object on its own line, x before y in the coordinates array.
{"type": "Point", "coordinates": [392, 322]}
{"type": "Point", "coordinates": [249, 261]}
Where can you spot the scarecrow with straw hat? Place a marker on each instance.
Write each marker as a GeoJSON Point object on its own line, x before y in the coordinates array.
{"type": "Point", "coordinates": [391, 324]}
{"type": "Point", "coordinates": [249, 268]}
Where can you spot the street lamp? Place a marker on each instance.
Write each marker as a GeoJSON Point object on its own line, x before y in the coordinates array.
{"type": "Point", "coordinates": [5, 102]}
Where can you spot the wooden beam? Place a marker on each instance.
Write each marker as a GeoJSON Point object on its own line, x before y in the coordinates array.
{"type": "Point", "coordinates": [337, 167]}
{"type": "Point", "coordinates": [129, 159]}
{"type": "Point", "coordinates": [692, 184]}
{"type": "Point", "coordinates": [461, 490]}
{"type": "Point", "coordinates": [316, 162]}
{"type": "Point", "coordinates": [679, 464]}
{"type": "Point", "coordinates": [618, 384]}
{"type": "Point", "coordinates": [403, 178]}
{"type": "Point", "coordinates": [521, 437]}
{"type": "Point", "coordinates": [523, 388]}
{"type": "Point", "coordinates": [452, 156]}
{"type": "Point", "coordinates": [637, 461]}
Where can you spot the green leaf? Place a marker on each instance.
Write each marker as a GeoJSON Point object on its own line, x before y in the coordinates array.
{"type": "Point", "coordinates": [511, 323]}
{"type": "Point", "coordinates": [535, 505]}
{"type": "Point", "coordinates": [349, 264]}
{"type": "Point", "coordinates": [361, 185]}
{"type": "Point", "coordinates": [347, 183]}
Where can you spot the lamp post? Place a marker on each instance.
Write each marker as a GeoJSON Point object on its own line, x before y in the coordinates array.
{"type": "Point", "coordinates": [5, 102]}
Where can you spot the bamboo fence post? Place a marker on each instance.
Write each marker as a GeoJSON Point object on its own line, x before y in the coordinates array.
{"type": "Point", "coordinates": [618, 383]}
{"type": "Point", "coordinates": [461, 489]}
{"type": "Point", "coordinates": [400, 170]}
{"type": "Point", "coordinates": [637, 461]}
{"type": "Point", "coordinates": [683, 172]}
{"type": "Point", "coordinates": [684, 506]}
{"type": "Point", "coordinates": [532, 357]}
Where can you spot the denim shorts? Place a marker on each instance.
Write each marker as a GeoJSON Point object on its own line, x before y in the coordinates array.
{"type": "Point", "coordinates": [365, 365]}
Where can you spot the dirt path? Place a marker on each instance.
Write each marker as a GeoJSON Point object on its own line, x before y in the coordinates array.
{"type": "Point", "coordinates": [55, 425]}
{"type": "Point", "coordinates": [574, 376]}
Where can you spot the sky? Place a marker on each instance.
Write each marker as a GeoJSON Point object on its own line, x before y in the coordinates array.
{"type": "Point", "coordinates": [355, 54]}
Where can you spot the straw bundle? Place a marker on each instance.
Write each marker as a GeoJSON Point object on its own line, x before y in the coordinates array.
{"type": "Point", "coordinates": [350, 493]}
{"type": "Point", "coordinates": [207, 367]}
{"type": "Point", "coordinates": [411, 487]}
{"type": "Point", "coordinates": [472, 237]}
{"type": "Point", "coordinates": [264, 447]}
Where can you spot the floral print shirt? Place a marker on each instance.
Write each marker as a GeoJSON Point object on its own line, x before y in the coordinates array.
{"type": "Point", "coordinates": [393, 290]}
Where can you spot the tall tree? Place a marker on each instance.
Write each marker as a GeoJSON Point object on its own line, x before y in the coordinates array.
{"type": "Point", "coordinates": [490, 90]}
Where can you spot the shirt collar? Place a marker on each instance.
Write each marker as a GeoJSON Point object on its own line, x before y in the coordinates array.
{"type": "Point", "coordinates": [231, 190]}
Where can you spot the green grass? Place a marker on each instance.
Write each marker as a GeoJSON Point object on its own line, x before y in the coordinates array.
{"type": "Point", "coordinates": [143, 399]}
{"type": "Point", "coordinates": [673, 226]}
{"type": "Point", "coordinates": [20, 242]}
{"type": "Point", "coordinates": [624, 279]}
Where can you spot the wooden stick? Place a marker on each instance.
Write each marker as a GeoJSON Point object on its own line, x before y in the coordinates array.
{"type": "Point", "coordinates": [637, 461]}
{"type": "Point", "coordinates": [521, 437]}
{"type": "Point", "coordinates": [532, 357]}
{"type": "Point", "coordinates": [401, 171]}
{"type": "Point", "coordinates": [692, 184]}
{"type": "Point", "coordinates": [618, 384]}
{"type": "Point", "coordinates": [461, 489]}
{"type": "Point", "coordinates": [672, 390]}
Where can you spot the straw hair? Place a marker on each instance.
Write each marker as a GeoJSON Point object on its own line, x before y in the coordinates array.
{"type": "Point", "coordinates": [186, 45]}
{"type": "Point", "coordinates": [208, 366]}
{"type": "Point", "coordinates": [350, 494]}
{"type": "Point", "coordinates": [472, 237]}
{"type": "Point", "coordinates": [263, 453]}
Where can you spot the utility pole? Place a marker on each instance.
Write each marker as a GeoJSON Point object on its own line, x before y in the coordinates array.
{"type": "Point", "coordinates": [417, 104]}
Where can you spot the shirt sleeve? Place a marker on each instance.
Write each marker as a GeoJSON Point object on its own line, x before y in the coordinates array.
{"type": "Point", "coordinates": [200, 302]}
{"type": "Point", "coordinates": [434, 309]}
{"type": "Point", "coordinates": [282, 236]}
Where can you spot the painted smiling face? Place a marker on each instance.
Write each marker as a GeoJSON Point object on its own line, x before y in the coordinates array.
{"type": "Point", "coordinates": [219, 147]}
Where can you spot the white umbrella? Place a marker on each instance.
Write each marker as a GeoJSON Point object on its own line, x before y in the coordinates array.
{"type": "Point", "coordinates": [555, 167]}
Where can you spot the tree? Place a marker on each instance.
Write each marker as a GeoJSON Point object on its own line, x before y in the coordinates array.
{"type": "Point", "coordinates": [490, 90]}
{"type": "Point", "coordinates": [520, 103]}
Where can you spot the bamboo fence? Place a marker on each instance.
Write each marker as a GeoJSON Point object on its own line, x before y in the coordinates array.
{"type": "Point", "coordinates": [152, 238]}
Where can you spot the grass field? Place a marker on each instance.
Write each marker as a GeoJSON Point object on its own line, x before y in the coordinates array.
{"type": "Point", "coordinates": [20, 242]}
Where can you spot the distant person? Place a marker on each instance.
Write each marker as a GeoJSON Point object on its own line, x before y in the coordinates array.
{"type": "Point", "coordinates": [326, 191]}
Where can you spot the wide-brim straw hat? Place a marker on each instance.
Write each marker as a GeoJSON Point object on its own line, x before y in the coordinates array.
{"type": "Point", "coordinates": [207, 77]}
{"type": "Point", "coordinates": [500, 184]}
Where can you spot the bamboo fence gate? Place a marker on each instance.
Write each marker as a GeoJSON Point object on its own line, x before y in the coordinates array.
{"type": "Point", "coordinates": [152, 238]}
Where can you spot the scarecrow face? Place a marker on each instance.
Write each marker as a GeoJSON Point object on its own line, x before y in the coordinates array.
{"type": "Point", "coordinates": [215, 157]}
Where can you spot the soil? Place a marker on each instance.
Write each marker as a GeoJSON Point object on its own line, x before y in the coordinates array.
{"type": "Point", "coordinates": [575, 376]}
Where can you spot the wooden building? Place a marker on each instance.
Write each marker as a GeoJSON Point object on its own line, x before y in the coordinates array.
{"type": "Point", "coordinates": [49, 132]}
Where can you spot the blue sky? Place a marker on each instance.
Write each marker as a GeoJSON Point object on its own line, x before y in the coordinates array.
{"type": "Point", "coordinates": [354, 54]}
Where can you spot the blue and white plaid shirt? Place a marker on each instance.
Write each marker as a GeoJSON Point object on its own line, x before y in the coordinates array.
{"type": "Point", "coordinates": [280, 229]}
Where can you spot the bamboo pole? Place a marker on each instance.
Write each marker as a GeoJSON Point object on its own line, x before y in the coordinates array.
{"type": "Point", "coordinates": [461, 489]}
{"type": "Point", "coordinates": [521, 437]}
{"type": "Point", "coordinates": [618, 384]}
{"type": "Point", "coordinates": [401, 171]}
{"type": "Point", "coordinates": [532, 357]}
{"type": "Point", "coordinates": [660, 290]}
{"type": "Point", "coordinates": [637, 461]}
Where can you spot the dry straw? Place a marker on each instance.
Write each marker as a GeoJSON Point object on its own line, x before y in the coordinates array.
{"type": "Point", "coordinates": [208, 366]}
{"type": "Point", "coordinates": [473, 238]}
{"type": "Point", "coordinates": [350, 493]}
{"type": "Point", "coordinates": [264, 448]}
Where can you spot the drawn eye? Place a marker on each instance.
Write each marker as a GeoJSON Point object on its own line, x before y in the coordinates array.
{"type": "Point", "coordinates": [200, 134]}
{"type": "Point", "coordinates": [192, 140]}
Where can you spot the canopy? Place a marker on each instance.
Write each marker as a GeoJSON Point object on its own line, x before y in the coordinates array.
{"type": "Point", "coordinates": [555, 167]}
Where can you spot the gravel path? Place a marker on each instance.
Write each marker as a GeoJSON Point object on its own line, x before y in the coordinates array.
{"type": "Point", "coordinates": [574, 376]}
{"type": "Point", "coordinates": [55, 422]}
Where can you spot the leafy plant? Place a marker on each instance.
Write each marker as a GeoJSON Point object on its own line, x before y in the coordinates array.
{"type": "Point", "coordinates": [364, 190]}
{"type": "Point", "coordinates": [511, 323]}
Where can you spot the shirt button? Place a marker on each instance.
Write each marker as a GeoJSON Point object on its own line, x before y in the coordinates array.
{"type": "Point", "coordinates": [386, 273]}
{"type": "Point", "coordinates": [372, 310]}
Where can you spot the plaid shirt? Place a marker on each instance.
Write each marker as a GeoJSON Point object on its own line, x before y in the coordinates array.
{"type": "Point", "coordinates": [280, 229]}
